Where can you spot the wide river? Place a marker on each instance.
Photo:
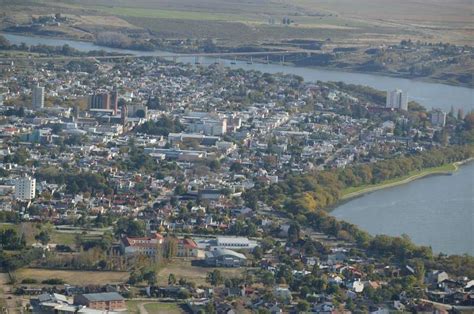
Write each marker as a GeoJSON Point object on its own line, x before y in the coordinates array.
{"type": "Point", "coordinates": [430, 95]}
{"type": "Point", "coordinates": [436, 211]}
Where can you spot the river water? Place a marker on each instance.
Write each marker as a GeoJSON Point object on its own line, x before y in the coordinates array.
{"type": "Point", "coordinates": [437, 211]}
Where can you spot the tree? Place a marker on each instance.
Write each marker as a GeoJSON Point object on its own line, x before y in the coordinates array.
{"type": "Point", "coordinates": [130, 227]}
{"type": "Point", "coordinates": [302, 306]}
{"type": "Point", "coordinates": [258, 253]}
{"type": "Point", "coordinates": [43, 237]}
{"type": "Point", "coordinates": [215, 165]}
{"type": "Point", "coordinates": [294, 232]}
{"type": "Point", "coordinates": [209, 308]}
{"type": "Point", "coordinates": [268, 279]}
{"type": "Point", "coordinates": [170, 247]}
{"type": "Point", "coordinates": [179, 190]}
{"type": "Point", "coordinates": [4, 43]}
{"type": "Point", "coordinates": [171, 279]}
{"type": "Point", "coordinates": [140, 113]}
{"type": "Point", "coordinates": [215, 277]}
{"type": "Point", "coordinates": [150, 277]}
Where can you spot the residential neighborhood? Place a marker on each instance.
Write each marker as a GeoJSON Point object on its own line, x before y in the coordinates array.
{"type": "Point", "coordinates": [127, 182]}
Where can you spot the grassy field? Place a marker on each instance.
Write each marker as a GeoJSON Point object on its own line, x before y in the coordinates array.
{"type": "Point", "coordinates": [72, 277]}
{"type": "Point", "coordinates": [356, 191]}
{"type": "Point", "coordinates": [168, 308]}
{"type": "Point", "coordinates": [133, 307]}
{"type": "Point", "coordinates": [63, 238]}
{"type": "Point", "coordinates": [169, 14]}
{"type": "Point", "coordinates": [7, 226]}
{"type": "Point", "coordinates": [244, 22]}
{"type": "Point", "coordinates": [184, 269]}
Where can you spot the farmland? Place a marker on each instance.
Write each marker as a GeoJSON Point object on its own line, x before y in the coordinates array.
{"type": "Point", "coordinates": [344, 21]}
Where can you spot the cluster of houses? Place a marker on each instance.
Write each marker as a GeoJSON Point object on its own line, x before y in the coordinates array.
{"type": "Point", "coordinates": [90, 303]}
{"type": "Point", "coordinates": [215, 133]}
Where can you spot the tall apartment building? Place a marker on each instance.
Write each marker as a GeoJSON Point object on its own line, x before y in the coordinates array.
{"type": "Point", "coordinates": [397, 99]}
{"type": "Point", "coordinates": [37, 97]}
{"type": "Point", "coordinates": [25, 188]}
{"type": "Point", "coordinates": [438, 117]}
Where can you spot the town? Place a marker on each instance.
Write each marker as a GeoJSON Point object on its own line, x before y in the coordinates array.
{"type": "Point", "coordinates": [134, 184]}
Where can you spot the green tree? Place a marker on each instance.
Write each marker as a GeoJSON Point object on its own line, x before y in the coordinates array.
{"type": "Point", "coordinates": [170, 247]}
{"type": "Point", "coordinates": [43, 237]}
{"type": "Point", "coordinates": [171, 279]}
{"type": "Point", "coordinates": [150, 277]}
{"type": "Point", "coordinates": [302, 306]}
{"type": "Point", "coordinates": [215, 277]}
{"type": "Point", "coordinates": [294, 232]}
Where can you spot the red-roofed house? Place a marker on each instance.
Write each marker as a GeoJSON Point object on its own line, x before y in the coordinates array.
{"type": "Point", "coordinates": [187, 248]}
{"type": "Point", "coordinates": [142, 245]}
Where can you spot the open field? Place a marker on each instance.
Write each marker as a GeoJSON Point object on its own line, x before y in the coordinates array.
{"type": "Point", "coordinates": [414, 175]}
{"type": "Point", "coordinates": [137, 306]}
{"type": "Point", "coordinates": [184, 269]}
{"type": "Point", "coordinates": [73, 277]}
{"type": "Point", "coordinates": [168, 308]}
{"type": "Point", "coordinates": [63, 238]}
{"type": "Point", "coordinates": [344, 21]}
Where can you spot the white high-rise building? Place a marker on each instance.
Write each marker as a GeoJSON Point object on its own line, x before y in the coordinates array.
{"type": "Point", "coordinates": [397, 99]}
{"type": "Point", "coordinates": [25, 188]}
{"type": "Point", "coordinates": [438, 117]}
{"type": "Point", "coordinates": [37, 96]}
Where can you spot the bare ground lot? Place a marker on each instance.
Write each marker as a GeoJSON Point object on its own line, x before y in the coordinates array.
{"type": "Point", "coordinates": [72, 277]}
{"type": "Point", "coordinates": [183, 269]}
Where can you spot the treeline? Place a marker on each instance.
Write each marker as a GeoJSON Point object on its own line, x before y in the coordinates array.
{"type": "Point", "coordinates": [163, 126]}
{"type": "Point", "coordinates": [366, 92]}
{"type": "Point", "coordinates": [11, 240]}
{"type": "Point", "coordinates": [65, 50]}
{"type": "Point", "coordinates": [75, 182]}
{"type": "Point", "coordinates": [319, 190]}
{"type": "Point", "coordinates": [118, 40]}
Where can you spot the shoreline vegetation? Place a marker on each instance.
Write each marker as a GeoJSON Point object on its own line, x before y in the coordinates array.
{"type": "Point", "coordinates": [355, 192]}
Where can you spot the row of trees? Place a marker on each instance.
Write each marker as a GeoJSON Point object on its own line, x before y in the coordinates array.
{"type": "Point", "coordinates": [50, 50]}
{"type": "Point", "coordinates": [75, 182]}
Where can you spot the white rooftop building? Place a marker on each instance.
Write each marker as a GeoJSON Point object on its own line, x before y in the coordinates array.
{"type": "Point", "coordinates": [235, 243]}
{"type": "Point", "coordinates": [25, 188]}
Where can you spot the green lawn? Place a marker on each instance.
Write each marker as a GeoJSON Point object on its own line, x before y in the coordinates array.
{"type": "Point", "coordinates": [63, 238]}
{"type": "Point", "coordinates": [7, 225]}
{"type": "Point", "coordinates": [448, 168]}
{"type": "Point", "coordinates": [133, 307]}
{"type": "Point", "coordinates": [169, 308]}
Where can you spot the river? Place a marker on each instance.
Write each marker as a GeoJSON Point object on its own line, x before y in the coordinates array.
{"type": "Point", "coordinates": [436, 211]}
{"type": "Point", "coordinates": [431, 95]}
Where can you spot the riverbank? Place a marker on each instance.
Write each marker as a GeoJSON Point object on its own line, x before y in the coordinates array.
{"type": "Point", "coordinates": [425, 79]}
{"type": "Point", "coordinates": [448, 169]}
